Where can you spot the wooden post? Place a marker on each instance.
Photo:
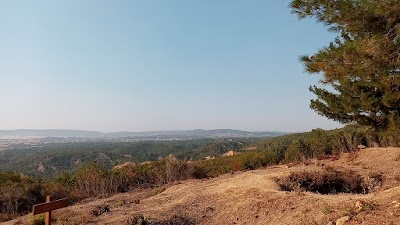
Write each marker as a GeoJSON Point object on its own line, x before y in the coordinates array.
{"type": "Point", "coordinates": [49, 206]}
{"type": "Point", "coordinates": [48, 214]}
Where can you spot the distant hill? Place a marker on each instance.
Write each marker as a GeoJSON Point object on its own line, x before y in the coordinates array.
{"type": "Point", "coordinates": [219, 133]}
{"type": "Point", "coordinates": [26, 133]}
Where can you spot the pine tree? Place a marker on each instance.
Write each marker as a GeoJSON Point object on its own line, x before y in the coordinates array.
{"type": "Point", "coordinates": [361, 67]}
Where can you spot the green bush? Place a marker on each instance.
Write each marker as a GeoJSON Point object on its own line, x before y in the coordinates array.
{"type": "Point", "coordinates": [36, 219]}
{"type": "Point", "coordinates": [19, 193]}
{"type": "Point", "coordinates": [93, 181]}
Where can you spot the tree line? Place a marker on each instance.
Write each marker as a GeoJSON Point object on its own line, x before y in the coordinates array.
{"type": "Point", "coordinates": [19, 192]}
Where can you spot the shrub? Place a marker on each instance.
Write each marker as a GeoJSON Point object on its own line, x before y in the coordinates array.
{"type": "Point", "coordinates": [9, 177]}
{"type": "Point", "coordinates": [100, 210]}
{"type": "Point", "coordinates": [174, 220]}
{"type": "Point", "coordinates": [66, 180]}
{"type": "Point", "coordinates": [36, 219]}
{"type": "Point", "coordinates": [293, 153]}
{"type": "Point", "coordinates": [94, 181]}
{"type": "Point", "coordinates": [169, 169]}
{"type": "Point", "coordinates": [18, 195]}
{"type": "Point", "coordinates": [374, 180]}
{"type": "Point", "coordinates": [326, 209]}
{"type": "Point", "coordinates": [329, 181]}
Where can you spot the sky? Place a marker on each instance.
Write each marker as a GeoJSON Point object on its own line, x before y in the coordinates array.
{"type": "Point", "coordinates": [130, 65]}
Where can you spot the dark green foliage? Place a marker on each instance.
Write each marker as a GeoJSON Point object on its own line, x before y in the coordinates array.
{"type": "Point", "coordinates": [66, 180]}
{"type": "Point", "coordinates": [58, 157]}
{"type": "Point", "coordinates": [9, 177]}
{"type": "Point", "coordinates": [245, 161]}
{"type": "Point", "coordinates": [302, 146]}
{"type": "Point", "coordinates": [19, 193]}
{"type": "Point", "coordinates": [37, 219]}
{"type": "Point", "coordinates": [93, 180]}
{"type": "Point", "coordinates": [297, 151]}
{"type": "Point", "coordinates": [320, 142]}
{"type": "Point", "coordinates": [138, 176]}
{"type": "Point", "coordinates": [362, 65]}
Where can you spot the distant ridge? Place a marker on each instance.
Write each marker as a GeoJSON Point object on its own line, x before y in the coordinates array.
{"type": "Point", "coordinates": [31, 133]}
{"type": "Point", "coordinates": [198, 133]}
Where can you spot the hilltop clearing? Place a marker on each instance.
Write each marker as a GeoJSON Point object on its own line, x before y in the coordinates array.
{"type": "Point", "coordinates": [254, 197]}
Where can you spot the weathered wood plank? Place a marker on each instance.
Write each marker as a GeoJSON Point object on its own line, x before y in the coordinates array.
{"type": "Point", "coordinates": [50, 206]}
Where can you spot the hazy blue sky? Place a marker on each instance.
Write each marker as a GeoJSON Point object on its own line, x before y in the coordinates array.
{"type": "Point", "coordinates": [156, 65]}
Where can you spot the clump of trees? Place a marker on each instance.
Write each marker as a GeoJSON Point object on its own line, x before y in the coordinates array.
{"type": "Point", "coordinates": [18, 193]}
{"type": "Point", "coordinates": [361, 67]}
{"type": "Point", "coordinates": [57, 157]}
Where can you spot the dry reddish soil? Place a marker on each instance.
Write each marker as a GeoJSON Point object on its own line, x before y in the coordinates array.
{"type": "Point", "coordinates": [253, 197]}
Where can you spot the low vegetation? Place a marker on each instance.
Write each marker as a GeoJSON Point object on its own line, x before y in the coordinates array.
{"type": "Point", "coordinates": [19, 192]}
{"type": "Point", "coordinates": [48, 160]}
{"type": "Point", "coordinates": [329, 181]}
{"type": "Point", "coordinates": [174, 220]}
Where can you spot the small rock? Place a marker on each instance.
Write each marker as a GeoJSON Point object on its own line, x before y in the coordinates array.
{"type": "Point", "coordinates": [397, 205]}
{"type": "Point", "coordinates": [359, 204]}
{"type": "Point", "coordinates": [395, 202]}
{"type": "Point", "coordinates": [342, 220]}
{"type": "Point", "coordinates": [361, 146]}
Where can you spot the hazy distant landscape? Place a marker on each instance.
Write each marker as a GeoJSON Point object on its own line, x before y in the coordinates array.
{"type": "Point", "coordinates": [47, 157]}
{"type": "Point", "coordinates": [124, 105]}
{"type": "Point", "coordinates": [183, 134]}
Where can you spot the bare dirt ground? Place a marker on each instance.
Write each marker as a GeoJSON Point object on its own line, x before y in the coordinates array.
{"type": "Point", "coordinates": [253, 197]}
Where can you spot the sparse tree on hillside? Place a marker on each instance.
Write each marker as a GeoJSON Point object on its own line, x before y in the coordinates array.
{"type": "Point", "coordinates": [362, 65]}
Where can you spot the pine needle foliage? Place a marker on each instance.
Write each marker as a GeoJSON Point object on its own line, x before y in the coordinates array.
{"type": "Point", "coordinates": [361, 67]}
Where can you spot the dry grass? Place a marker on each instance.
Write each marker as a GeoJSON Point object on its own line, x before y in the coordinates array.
{"type": "Point", "coordinates": [73, 217]}
{"type": "Point", "coordinates": [397, 158]}
{"type": "Point", "coordinates": [174, 220]}
{"type": "Point", "coordinates": [254, 197]}
{"type": "Point", "coordinates": [99, 210]}
{"type": "Point", "coordinates": [352, 156]}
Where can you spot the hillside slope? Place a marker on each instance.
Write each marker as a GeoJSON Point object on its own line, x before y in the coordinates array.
{"type": "Point", "coordinates": [253, 197]}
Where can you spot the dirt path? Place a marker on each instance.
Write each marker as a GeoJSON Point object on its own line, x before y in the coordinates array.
{"type": "Point", "coordinates": [253, 197]}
